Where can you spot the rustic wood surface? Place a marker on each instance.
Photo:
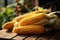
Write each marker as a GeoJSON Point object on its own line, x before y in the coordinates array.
{"type": "Point", "coordinates": [5, 35]}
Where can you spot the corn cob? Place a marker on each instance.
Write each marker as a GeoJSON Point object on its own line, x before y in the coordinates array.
{"type": "Point", "coordinates": [29, 29]}
{"type": "Point", "coordinates": [32, 19]}
{"type": "Point", "coordinates": [7, 25]}
{"type": "Point", "coordinates": [25, 15]}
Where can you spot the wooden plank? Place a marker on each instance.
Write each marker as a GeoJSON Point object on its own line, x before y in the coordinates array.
{"type": "Point", "coordinates": [46, 36]}
{"type": "Point", "coordinates": [4, 34]}
{"type": "Point", "coordinates": [56, 36]}
{"type": "Point", "coordinates": [42, 38]}
{"type": "Point", "coordinates": [32, 37]}
{"type": "Point", "coordinates": [52, 38]}
{"type": "Point", "coordinates": [20, 37]}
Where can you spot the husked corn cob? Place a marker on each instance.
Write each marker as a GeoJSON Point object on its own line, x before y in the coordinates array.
{"type": "Point", "coordinates": [32, 19]}
{"type": "Point", "coordinates": [29, 29]}
{"type": "Point", "coordinates": [7, 25]}
{"type": "Point", "coordinates": [25, 15]}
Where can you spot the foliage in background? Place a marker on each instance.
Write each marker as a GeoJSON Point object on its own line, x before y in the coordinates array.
{"type": "Point", "coordinates": [27, 4]}
{"type": "Point", "coordinates": [6, 15]}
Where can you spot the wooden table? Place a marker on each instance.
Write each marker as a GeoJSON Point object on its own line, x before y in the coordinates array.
{"type": "Point", "coordinates": [53, 35]}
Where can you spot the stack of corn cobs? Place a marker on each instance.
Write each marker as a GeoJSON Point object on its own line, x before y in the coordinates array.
{"type": "Point", "coordinates": [35, 22]}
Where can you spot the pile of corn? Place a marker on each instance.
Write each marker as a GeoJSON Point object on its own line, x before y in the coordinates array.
{"type": "Point", "coordinates": [30, 23]}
